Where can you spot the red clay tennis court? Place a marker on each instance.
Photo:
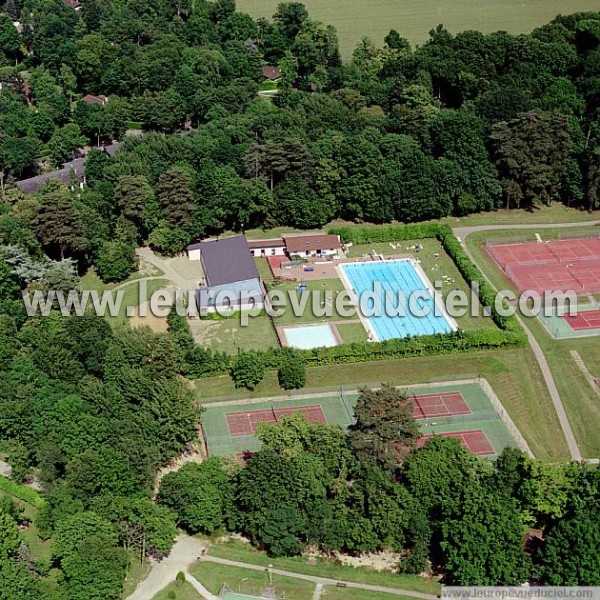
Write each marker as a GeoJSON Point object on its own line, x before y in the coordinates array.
{"type": "Point", "coordinates": [589, 319]}
{"type": "Point", "coordinates": [572, 264]}
{"type": "Point", "coordinates": [439, 405]}
{"type": "Point", "coordinates": [473, 440]}
{"type": "Point", "coordinates": [245, 422]}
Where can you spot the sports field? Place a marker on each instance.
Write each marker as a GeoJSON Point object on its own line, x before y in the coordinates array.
{"type": "Point", "coordinates": [413, 19]}
{"type": "Point", "coordinates": [570, 264]}
{"type": "Point", "coordinates": [578, 397]}
{"type": "Point", "coordinates": [459, 409]}
{"type": "Point", "coordinates": [585, 324]}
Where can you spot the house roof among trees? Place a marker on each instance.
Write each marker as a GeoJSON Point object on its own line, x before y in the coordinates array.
{"type": "Point", "coordinates": [227, 260]}
{"type": "Point", "coordinates": [33, 184]}
{"type": "Point", "coordinates": [271, 73]}
{"type": "Point", "coordinates": [311, 243]}
{"type": "Point", "coordinates": [90, 99]}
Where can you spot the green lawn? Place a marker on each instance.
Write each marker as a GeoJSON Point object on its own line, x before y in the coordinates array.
{"type": "Point", "coordinates": [132, 297]}
{"type": "Point", "coordinates": [322, 287]}
{"type": "Point", "coordinates": [91, 281]}
{"type": "Point", "coordinates": [513, 374]}
{"type": "Point", "coordinates": [182, 591]}
{"type": "Point", "coordinates": [29, 500]}
{"type": "Point", "coordinates": [441, 272]}
{"type": "Point", "coordinates": [263, 269]}
{"type": "Point", "coordinates": [352, 332]}
{"type": "Point", "coordinates": [581, 402]}
{"type": "Point", "coordinates": [136, 572]}
{"type": "Point", "coordinates": [129, 290]}
{"type": "Point", "coordinates": [239, 551]}
{"type": "Point", "coordinates": [265, 86]}
{"type": "Point", "coordinates": [247, 581]}
{"type": "Point", "coordinates": [555, 213]}
{"type": "Point", "coordinates": [227, 335]}
{"type": "Point", "coordinates": [413, 19]}
{"type": "Point", "coordinates": [331, 592]}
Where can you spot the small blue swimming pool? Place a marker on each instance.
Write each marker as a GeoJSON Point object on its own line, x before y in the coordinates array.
{"type": "Point", "coordinates": [309, 337]}
{"type": "Point", "coordinates": [394, 276]}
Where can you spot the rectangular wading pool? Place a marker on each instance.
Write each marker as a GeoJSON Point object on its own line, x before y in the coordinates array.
{"type": "Point", "coordinates": [393, 276]}
{"type": "Point", "coordinates": [310, 336]}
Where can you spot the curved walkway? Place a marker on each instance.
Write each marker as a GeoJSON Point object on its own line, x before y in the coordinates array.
{"type": "Point", "coordinates": [463, 233]}
{"type": "Point", "coordinates": [188, 550]}
{"type": "Point", "coordinates": [320, 580]}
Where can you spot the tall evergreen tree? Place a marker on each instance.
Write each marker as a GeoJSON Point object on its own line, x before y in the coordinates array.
{"type": "Point", "coordinates": [385, 427]}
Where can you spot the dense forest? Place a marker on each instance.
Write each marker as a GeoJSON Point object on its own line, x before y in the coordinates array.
{"type": "Point", "coordinates": [95, 413]}
{"type": "Point", "coordinates": [464, 123]}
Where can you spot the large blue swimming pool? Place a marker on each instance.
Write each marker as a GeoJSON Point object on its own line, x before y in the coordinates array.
{"type": "Point", "coordinates": [396, 275]}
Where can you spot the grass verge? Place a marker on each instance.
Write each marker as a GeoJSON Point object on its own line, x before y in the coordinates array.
{"type": "Point", "coordinates": [247, 581]}
{"type": "Point", "coordinates": [178, 591]}
{"type": "Point", "coordinates": [242, 552]}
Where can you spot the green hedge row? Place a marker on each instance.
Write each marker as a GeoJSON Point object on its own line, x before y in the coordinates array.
{"type": "Point", "coordinates": [215, 363]}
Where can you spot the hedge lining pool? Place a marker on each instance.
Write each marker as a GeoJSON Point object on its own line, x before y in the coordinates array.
{"type": "Point", "coordinates": [400, 275]}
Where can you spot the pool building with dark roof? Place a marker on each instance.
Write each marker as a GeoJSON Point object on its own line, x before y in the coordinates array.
{"type": "Point", "coordinates": [231, 278]}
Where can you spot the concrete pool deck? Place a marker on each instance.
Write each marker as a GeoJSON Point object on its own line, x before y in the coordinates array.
{"type": "Point", "coordinates": [436, 297]}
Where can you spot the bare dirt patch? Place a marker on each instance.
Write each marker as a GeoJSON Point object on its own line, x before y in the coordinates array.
{"type": "Point", "coordinates": [157, 324]}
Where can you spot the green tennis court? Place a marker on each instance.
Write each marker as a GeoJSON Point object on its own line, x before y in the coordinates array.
{"type": "Point", "coordinates": [559, 327]}
{"type": "Point", "coordinates": [442, 408]}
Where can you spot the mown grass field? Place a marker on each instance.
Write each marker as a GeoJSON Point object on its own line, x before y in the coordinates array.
{"type": "Point", "coordinates": [554, 213]}
{"type": "Point", "coordinates": [338, 593]}
{"type": "Point", "coordinates": [325, 290]}
{"type": "Point", "coordinates": [247, 581]}
{"type": "Point", "coordinates": [581, 401]}
{"type": "Point", "coordinates": [227, 334]}
{"type": "Point", "coordinates": [352, 332]}
{"type": "Point", "coordinates": [242, 552]}
{"type": "Point", "coordinates": [513, 374]}
{"type": "Point", "coordinates": [413, 19]}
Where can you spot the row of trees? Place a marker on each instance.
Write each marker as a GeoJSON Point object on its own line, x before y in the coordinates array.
{"type": "Point", "coordinates": [94, 414]}
{"type": "Point", "coordinates": [461, 124]}
{"type": "Point", "coordinates": [440, 507]}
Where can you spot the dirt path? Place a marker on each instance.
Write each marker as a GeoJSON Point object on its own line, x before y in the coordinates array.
{"type": "Point", "coordinates": [185, 553]}
{"type": "Point", "coordinates": [169, 272]}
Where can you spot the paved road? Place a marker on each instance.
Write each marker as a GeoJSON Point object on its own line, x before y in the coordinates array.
{"type": "Point", "coordinates": [184, 553]}
{"type": "Point", "coordinates": [463, 232]}
{"type": "Point", "coordinates": [321, 580]}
